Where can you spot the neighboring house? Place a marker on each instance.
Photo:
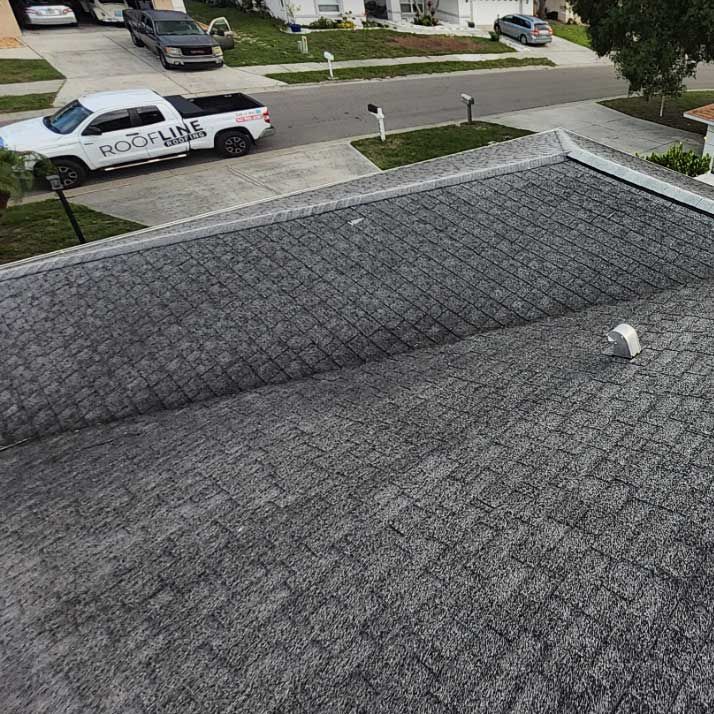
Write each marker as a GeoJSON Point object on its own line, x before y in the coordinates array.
{"type": "Point", "coordinates": [705, 115]}
{"type": "Point", "coordinates": [564, 9]}
{"type": "Point", "coordinates": [425, 487]}
{"type": "Point", "coordinates": [305, 11]}
{"type": "Point", "coordinates": [481, 12]}
{"type": "Point", "coordinates": [9, 29]}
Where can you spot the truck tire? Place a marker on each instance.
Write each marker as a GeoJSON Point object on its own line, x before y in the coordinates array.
{"type": "Point", "coordinates": [233, 143]}
{"type": "Point", "coordinates": [168, 67]}
{"type": "Point", "coordinates": [137, 42]}
{"type": "Point", "coordinates": [72, 172]}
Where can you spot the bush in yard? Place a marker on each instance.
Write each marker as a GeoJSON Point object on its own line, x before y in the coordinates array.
{"type": "Point", "coordinates": [323, 23]}
{"type": "Point", "coordinates": [17, 174]}
{"type": "Point", "coordinates": [685, 162]}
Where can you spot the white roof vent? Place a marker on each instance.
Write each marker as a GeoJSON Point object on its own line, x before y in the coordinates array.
{"type": "Point", "coordinates": [624, 341]}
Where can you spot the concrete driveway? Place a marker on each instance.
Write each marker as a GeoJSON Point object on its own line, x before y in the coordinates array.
{"type": "Point", "coordinates": [169, 191]}
{"type": "Point", "coordinates": [94, 59]}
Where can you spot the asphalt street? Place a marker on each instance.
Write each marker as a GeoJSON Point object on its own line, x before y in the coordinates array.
{"type": "Point", "coordinates": [305, 115]}
{"type": "Point", "coordinates": [310, 114]}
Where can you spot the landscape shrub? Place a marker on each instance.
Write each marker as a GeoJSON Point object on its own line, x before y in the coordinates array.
{"type": "Point", "coordinates": [676, 158]}
{"type": "Point", "coordinates": [323, 23]}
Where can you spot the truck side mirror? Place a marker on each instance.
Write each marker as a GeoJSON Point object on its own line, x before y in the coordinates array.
{"type": "Point", "coordinates": [92, 131]}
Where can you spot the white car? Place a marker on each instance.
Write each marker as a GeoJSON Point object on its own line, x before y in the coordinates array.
{"type": "Point", "coordinates": [125, 128]}
{"type": "Point", "coordinates": [111, 11]}
{"type": "Point", "coordinates": [35, 13]}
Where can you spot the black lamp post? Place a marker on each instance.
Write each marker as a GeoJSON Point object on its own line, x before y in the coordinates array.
{"type": "Point", "coordinates": [56, 186]}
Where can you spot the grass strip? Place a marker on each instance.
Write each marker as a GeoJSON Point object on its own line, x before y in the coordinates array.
{"type": "Point", "coordinates": [41, 227]}
{"type": "Point", "coordinates": [673, 109]}
{"type": "Point", "coordinates": [24, 70]}
{"type": "Point", "coordinates": [411, 146]}
{"type": "Point", "coordinates": [26, 102]}
{"type": "Point", "coordinates": [401, 70]}
{"type": "Point", "coordinates": [573, 33]}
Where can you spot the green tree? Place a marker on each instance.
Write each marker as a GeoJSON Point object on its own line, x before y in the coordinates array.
{"type": "Point", "coordinates": [655, 45]}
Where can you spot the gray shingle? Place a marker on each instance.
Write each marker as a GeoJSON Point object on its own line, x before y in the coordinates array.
{"type": "Point", "coordinates": [128, 334]}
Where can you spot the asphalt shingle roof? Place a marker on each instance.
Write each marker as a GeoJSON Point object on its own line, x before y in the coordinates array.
{"type": "Point", "coordinates": [504, 521]}
{"type": "Point", "coordinates": [510, 523]}
{"type": "Point", "coordinates": [165, 325]}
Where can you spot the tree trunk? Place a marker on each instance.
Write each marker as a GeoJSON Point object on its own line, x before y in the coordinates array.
{"type": "Point", "coordinates": [540, 8]}
{"type": "Point", "coordinates": [4, 198]}
{"type": "Point", "coordinates": [661, 107]}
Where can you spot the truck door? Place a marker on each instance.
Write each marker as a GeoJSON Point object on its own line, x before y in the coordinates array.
{"type": "Point", "coordinates": [167, 136]}
{"type": "Point", "coordinates": [148, 34]}
{"type": "Point", "coordinates": [111, 139]}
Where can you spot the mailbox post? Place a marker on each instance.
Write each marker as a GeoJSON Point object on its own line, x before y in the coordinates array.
{"type": "Point", "coordinates": [330, 59]}
{"type": "Point", "coordinates": [379, 114]}
{"type": "Point", "coordinates": [56, 186]}
{"type": "Point", "coordinates": [469, 101]}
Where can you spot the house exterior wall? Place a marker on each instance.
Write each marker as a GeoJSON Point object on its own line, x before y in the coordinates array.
{"type": "Point", "coordinates": [483, 12]}
{"type": "Point", "coordinates": [709, 145]}
{"type": "Point", "coordinates": [169, 5]}
{"type": "Point", "coordinates": [305, 11]}
{"type": "Point", "coordinates": [564, 10]}
{"type": "Point", "coordinates": [8, 24]}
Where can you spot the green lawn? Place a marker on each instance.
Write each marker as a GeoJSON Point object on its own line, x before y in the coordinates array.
{"type": "Point", "coordinates": [411, 146]}
{"type": "Point", "coordinates": [673, 109]}
{"type": "Point", "coordinates": [400, 70]}
{"type": "Point", "coordinates": [22, 70]}
{"type": "Point", "coordinates": [573, 33]}
{"type": "Point", "coordinates": [259, 41]}
{"type": "Point", "coordinates": [36, 228]}
{"type": "Point", "coordinates": [26, 102]}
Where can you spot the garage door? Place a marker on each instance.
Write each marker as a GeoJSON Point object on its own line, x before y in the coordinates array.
{"type": "Point", "coordinates": [488, 10]}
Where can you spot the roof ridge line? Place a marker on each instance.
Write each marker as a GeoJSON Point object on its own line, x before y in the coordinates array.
{"type": "Point", "coordinates": [633, 176]}
{"type": "Point", "coordinates": [99, 252]}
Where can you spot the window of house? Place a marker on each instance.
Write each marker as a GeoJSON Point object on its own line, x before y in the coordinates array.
{"type": "Point", "coordinates": [329, 8]}
{"type": "Point", "coordinates": [406, 8]}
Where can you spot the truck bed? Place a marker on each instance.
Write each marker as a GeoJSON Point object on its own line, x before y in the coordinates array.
{"type": "Point", "coordinates": [215, 104]}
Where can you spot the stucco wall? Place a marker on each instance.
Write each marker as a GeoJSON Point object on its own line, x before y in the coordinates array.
{"type": "Point", "coordinates": [8, 24]}
{"type": "Point", "coordinates": [308, 10]}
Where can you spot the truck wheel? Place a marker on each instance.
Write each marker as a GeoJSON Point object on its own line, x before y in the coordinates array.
{"type": "Point", "coordinates": [72, 173]}
{"type": "Point", "coordinates": [137, 42]}
{"type": "Point", "coordinates": [233, 144]}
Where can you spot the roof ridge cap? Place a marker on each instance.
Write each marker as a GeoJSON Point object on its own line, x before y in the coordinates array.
{"type": "Point", "coordinates": [641, 180]}
{"type": "Point", "coordinates": [99, 251]}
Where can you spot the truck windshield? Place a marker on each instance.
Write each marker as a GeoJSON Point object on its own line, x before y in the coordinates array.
{"type": "Point", "coordinates": [178, 27]}
{"type": "Point", "coordinates": [67, 119]}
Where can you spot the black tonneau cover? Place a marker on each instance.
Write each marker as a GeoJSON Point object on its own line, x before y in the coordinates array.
{"type": "Point", "coordinates": [216, 104]}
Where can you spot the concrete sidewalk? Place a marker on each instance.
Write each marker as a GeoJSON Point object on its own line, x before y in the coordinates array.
{"type": "Point", "coordinates": [602, 124]}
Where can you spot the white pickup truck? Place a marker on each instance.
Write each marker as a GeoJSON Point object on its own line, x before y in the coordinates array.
{"type": "Point", "coordinates": [110, 129]}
